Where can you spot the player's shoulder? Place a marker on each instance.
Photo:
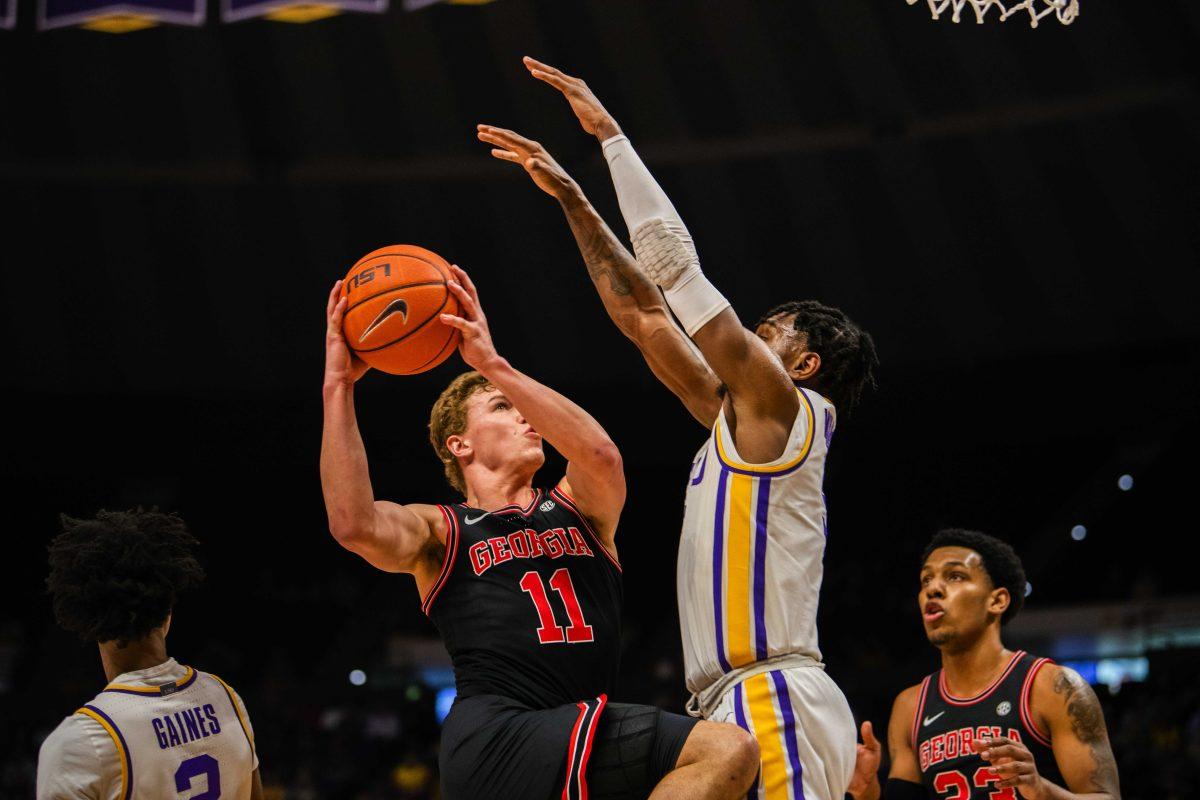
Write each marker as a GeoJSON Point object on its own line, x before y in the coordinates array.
{"type": "Point", "coordinates": [908, 698]}
{"type": "Point", "coordinates": [1054, 685]}
{"type": "Point", "coordinates": [75, 738]}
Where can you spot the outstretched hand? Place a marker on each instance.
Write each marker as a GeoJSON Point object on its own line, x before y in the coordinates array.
{"type": "Point", "coordinates": [866, 764]}
{"type": "Point", "coordinates": [594, 118]}
{"type": "Point", "coordinates": [342, 366]}
{"type": "Point", "coordinates": [476, 347]}
{"type": "Point", "coordinates": [546, 173]}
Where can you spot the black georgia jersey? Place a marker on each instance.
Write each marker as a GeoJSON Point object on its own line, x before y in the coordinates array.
{"type": "Point", "coordinates": [944, 727]}
{"type": "Point", "coordinates": [528, 603]}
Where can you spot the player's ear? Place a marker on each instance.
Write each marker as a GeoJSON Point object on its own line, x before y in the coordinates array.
{"type": "Point", "coordinates": [166, 626]}
{"type": "Point", "coordinates": [458, 446]}
{"type": "Point", "coordinates": [999, 601]}
{"type": "Point", "coordinates": [805, 364]}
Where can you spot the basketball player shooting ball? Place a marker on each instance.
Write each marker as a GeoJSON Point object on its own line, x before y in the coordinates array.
{"type": "Point", "coordinates": [158, 729]}
{"type": "Point", "coordinates": [750, 555]}
{"type": "Point", "coordinates": [523, 584]}
{"type": "Point", "coordinates": [991, 724]}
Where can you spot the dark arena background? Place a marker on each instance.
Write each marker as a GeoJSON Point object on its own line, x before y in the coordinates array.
{"type": "Point", "coordinates": [1012, 212]}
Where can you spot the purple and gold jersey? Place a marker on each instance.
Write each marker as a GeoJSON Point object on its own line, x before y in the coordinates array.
{"type": "Point", "coordinates": [751, 552]}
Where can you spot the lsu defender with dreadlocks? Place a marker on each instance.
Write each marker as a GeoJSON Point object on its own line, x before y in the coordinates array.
{"type": "Point", "coordinates": [750, 557]}
{"type": "Point", "coordinates": [158, 729]}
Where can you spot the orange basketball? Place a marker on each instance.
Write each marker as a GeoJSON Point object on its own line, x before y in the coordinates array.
{"type": "Point", "coordinates": [396, 294]}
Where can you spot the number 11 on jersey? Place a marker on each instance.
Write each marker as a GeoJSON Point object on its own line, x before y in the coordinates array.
{"type": "Point", "coordinates": [549, 631]}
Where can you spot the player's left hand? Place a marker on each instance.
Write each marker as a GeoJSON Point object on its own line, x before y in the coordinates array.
{"type": "Point", "coordinates": [546, 173]}
{"type": "Point", "coordinates": [1014, 765]}
{"type": "Point", "coordinates": [476, 346]}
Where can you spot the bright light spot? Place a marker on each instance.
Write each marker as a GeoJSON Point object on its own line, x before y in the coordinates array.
{"type": "Point", "coordinates": [358, 677]}
{"type": "Point", "coordinates": [445, 699]}
{"type": "Point", "coordinates": [1079, 533]}
{"type": "Point", "coordinates": [1125, 483]}
{"type": "Point", "coordinates": [1028, 588]}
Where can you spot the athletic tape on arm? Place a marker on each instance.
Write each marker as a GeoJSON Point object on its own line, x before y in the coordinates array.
{"type": "Point", "coordinates": [661, 242]}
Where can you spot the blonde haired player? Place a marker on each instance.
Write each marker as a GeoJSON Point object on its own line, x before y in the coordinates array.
{"type": "Point", "coordinates": [158, 729]}
{"type": "Point", "coordinates": [750, 556]}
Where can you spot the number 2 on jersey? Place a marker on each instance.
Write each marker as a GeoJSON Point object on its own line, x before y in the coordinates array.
{"type": "Point", "coordinates": [549, 631]}
{"type": "Point", "coordinates": [195, 767]}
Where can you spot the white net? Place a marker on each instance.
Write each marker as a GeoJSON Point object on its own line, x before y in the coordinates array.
{"type": "Point", "coordinates": [1065, 10]}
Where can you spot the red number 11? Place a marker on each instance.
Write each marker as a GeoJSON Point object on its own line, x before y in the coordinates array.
{"type": "Point", "coordinates": [549, 631]}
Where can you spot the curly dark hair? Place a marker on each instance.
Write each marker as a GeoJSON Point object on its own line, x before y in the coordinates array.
{"type": "Point", "coordinates": [1000, 562]}
{"type": "Point", "coordinates": [116, 576]}
{"type": "Point", "coordinates": [848, 358]}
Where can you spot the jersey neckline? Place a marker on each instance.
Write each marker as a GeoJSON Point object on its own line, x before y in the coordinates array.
{"type": "Point", "coordinates": [510, 508]}
{"type": "Point", "coordinates": [944, 689]}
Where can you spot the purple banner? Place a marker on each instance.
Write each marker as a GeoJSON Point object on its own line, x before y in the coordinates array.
{"type": "Point", "coordinates": [8, 14]}
{"type": "Point", "coordinates": [119, 15]}
{"type": "Point", "coordinates": [295, 10]}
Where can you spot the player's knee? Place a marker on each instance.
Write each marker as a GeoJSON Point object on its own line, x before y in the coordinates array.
{"type": "Point", "coordinates": [743, 755]}
{"type": "Point", "coordinates": [735, 752]}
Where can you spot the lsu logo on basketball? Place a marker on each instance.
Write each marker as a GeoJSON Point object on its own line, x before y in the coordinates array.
{"type": "Point", "coordinates": [367, 275]}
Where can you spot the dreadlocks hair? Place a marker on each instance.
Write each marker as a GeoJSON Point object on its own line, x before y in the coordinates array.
{"type": "Point", "coordinates": [1000, 562]}
{"type": "Point", "coordinates": [848, 358]}
{"type": "Point", "coordinates": [116, 576]}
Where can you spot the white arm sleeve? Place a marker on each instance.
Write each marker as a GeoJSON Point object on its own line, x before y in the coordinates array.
{"type": "Point", "coordinates": [661, 242]}
{"type": "Point", "coordinates": [78, 761]}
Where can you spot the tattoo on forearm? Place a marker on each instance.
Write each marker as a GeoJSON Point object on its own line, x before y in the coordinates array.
{"type": "Point", "coordinates": [603, 253]}
{"type": "Point", "coordinates": [1087, 723]}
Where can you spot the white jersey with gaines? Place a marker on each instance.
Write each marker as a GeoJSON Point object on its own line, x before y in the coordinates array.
{"type": "Point", "coordinates": [165, 732]}
{"type": "Point", "coordinates": [751, 552]}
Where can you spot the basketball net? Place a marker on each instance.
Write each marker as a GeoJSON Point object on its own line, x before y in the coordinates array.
{"type": "Point", "coordinates": [1065, 10]}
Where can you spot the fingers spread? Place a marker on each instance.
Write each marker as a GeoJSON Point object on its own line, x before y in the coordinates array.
{"type": "Point", "coordinates": [455, 322]}
{"type": "Point", "coordinates": [466, 302]}
{"type": "Point", "coordinates": [465, 280]}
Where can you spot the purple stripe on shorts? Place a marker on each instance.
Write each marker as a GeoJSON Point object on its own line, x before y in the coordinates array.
{"type": "Point", "coordinates": [760, 569]}
{"type": "Point", "coordinates": [740, 716]}
{"type": "Point", "coordinates": [789, 733]}
{"type": "Point", "coordinates": [719, 567]}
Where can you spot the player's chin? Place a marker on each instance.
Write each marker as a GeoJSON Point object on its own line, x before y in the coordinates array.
{"type": "Point", "coordinates": [939, 634]}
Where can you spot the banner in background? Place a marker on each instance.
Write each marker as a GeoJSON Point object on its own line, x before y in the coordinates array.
{"type": "Point", "coordinates": [118, 16]}
{"type": "Point", "coordinates": [8, 14]}
{"type": "Point", "coordinates": [294, 10]}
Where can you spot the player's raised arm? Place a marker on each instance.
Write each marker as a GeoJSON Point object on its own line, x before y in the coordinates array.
{"type": "Point", "coordinates": [595, 473]}
{"type": "Point", "coordinates": [389, 536]}
{"type": "Point", "coordinates": [760, 386]}
{"type": "Point", "coordinates": [632, 301]}
{"type": "Point", "coordinates": [1071, 714]}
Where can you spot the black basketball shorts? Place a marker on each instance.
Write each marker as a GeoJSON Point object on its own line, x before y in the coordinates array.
{"type": "Point", "coordinates": [494, 748]}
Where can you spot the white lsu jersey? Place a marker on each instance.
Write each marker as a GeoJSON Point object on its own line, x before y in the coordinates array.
{"type": "Point", "coordinates": [752, 549]}
{"type": "Point", "coordinates": [165, 732]}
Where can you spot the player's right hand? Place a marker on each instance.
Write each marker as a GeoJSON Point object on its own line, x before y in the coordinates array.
{"type": "Point", "coordinates": [546, 173]}
{"type": "Point", "coordinates": [587, 107]}
{"type": "Point", "coordinates": [342, 367]}
{"type": "Point", "coordinates": [864, 784]}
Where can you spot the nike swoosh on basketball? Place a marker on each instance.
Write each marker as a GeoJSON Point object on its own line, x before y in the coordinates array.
{"type": "Point", "coordinates": [399, 306]}
{"type": "Point", "coordinates": [470, 521]}
{"type": "Point", "coordinates": [930, 720]}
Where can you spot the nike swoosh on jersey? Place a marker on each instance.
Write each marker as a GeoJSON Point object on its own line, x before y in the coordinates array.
{"type": "Point", "coordinates": [470, 521]}
{"type": "Point", "coordinates": [398, 306]}
{"type": "Point", "coordinates": [930, 720]}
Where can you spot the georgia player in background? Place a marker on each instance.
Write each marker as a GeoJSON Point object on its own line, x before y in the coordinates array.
{"type": "Point", "coordinates": [992, 724]}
